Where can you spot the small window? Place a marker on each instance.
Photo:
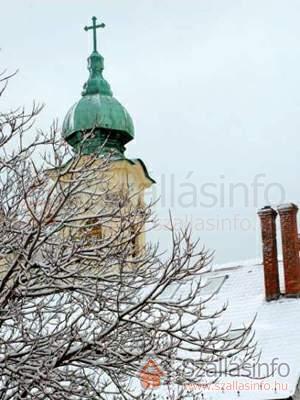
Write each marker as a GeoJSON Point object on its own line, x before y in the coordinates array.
{"type": "Point", "coordinates": [92, 228]}
{"type": "Point", "coordinates": [96, 229]}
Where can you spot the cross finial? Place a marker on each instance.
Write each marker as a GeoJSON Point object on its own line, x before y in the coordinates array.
{"type": "Point", "coordinates": [94, 27]}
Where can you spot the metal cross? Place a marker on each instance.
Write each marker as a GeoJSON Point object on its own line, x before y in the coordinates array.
{"type": "Point", "coordinates": [94, 27]}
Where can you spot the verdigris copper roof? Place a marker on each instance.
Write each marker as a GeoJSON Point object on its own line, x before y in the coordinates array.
{"type": "Point", "coordinates": [98, 112]}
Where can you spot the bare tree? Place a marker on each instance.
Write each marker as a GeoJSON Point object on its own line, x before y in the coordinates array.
{"type": "Point", "coordinates": [79, 312]}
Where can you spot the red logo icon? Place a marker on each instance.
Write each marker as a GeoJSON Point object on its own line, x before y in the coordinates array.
{"type": "Point", "coordinates": [150, 375]}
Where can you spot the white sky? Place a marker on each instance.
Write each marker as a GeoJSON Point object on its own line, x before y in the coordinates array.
{"type": "Point", "coordinates": [212, 86]}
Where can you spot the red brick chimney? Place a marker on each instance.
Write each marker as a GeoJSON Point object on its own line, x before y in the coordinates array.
{"type": "Point", "coordinates": [290, 248]}
{"type": "Point", "coordinates": [268, 231]}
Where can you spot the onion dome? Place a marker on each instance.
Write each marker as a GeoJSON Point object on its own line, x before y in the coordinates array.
{"type": "Point", "coordinates": [98, 122]}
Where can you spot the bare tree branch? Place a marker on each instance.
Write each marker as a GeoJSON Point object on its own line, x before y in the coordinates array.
{"type": "Point", "coordinates": [79, 308]}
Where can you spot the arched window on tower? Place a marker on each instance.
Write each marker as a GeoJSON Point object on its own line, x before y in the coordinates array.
{"type": "Point", "coordinates": [95, 228]}
{"type": "Point", "coordinates": [91, 230]}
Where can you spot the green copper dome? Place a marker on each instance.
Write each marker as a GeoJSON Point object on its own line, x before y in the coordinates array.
{"type": "Point", "coordinates": [97, 122]}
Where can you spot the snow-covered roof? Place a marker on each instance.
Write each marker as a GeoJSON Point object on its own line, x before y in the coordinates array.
{"type": "Point", "coordinates": [277, 331]}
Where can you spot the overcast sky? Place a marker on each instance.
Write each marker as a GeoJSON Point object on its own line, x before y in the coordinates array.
{"type": "Point", "coordinates": [212, 86]}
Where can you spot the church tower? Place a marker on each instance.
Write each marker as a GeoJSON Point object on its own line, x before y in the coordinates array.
{"type": "Point", "coordinates": [99, 125]}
